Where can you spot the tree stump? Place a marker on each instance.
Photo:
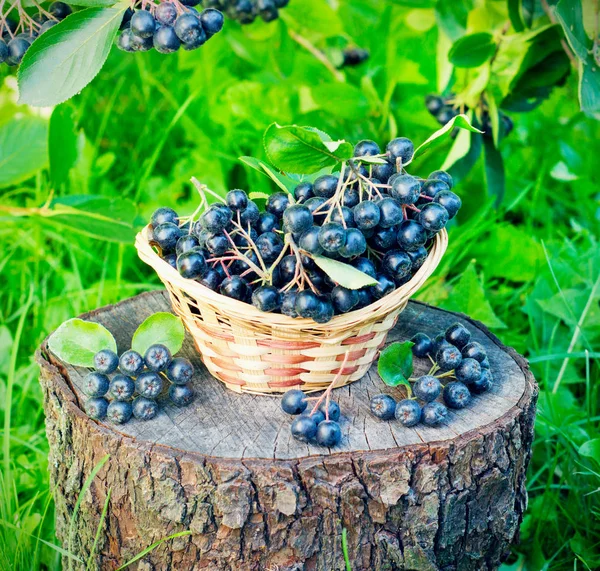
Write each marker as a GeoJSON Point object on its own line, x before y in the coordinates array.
{"type": "Point", "coordinates": [227, 469]}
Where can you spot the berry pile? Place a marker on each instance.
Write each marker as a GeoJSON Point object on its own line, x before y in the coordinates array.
{"type": "Point", "coordinates": [16, 37]}
{"type": "Point", "coordinates": [373, 216]}
{"type": "Point", "coordinates": [167, 26]}
{"type": "Point", "coordinates": [319, 425]}
{"type": "Point", "coordinates": [246, 11]}
{"type": "Point", "coordinates": [136, 384]}
{"type": "Point", "coordinates": [443, 110]}
{"type": "Point", "coordinates": [460, 369]}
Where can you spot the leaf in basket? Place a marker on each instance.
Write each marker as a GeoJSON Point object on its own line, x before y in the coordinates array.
{"type": "Point", "coordinates": [343, 274]}
{"type": "Point", "coordinates": [162, 327]}
{"type": "Point", "coordinates": [77, 341]}
{"type": "Point", "coordinates": [396, 364]}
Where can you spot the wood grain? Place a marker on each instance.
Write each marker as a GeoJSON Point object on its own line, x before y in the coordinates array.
{"type": "Point", "coordinates": [227, 469]}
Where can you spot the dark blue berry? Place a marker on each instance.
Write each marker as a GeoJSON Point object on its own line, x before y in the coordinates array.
{"type": "Point", "coordinates": [485, 364]}
{"type": "Point", "coordinates": [456, 395]}
{"type": "Point", "coordinates": [383, 238]}
{"type": "Point", "coordinates": [434, 103]}
{"type": "Point", "coordinates": [328, 434]}
{"type": "Point", "coordinates": [166, 235]}
{"type": "Point", "coordinates": [60, 10]}
{"type": "Point", "coordinates": [325, 186]}
{"type": "Point", "coordinates": [189, 30]}
{"type": "Point", "coordinates": [366, 148]}
{"type": "Point", "coordinates": [468, 371]}
{"type": "Point", "coordinates": [448, 358]}
{"type": "Point", "coordinates": [181, 395]}
{"type": "Point", "coordinates": [391, 212]}
{"type": "Point", "coordinates": [355, 245]}
{"type": "Point", "coordinates": [277, 203]}
{"type": "Point", "coordinates": [191, 264]}
{"type": "Point", "coordinates": [16, 50]}
{"type": "Point", "coordinates": [250, 215]}
{"type": "Point", "coordinates": [234, 287]}
{"type": "Point", "coordinates": [423, 345]}
{"type": "Point", "coordinates": [303, 192]}
{"type": "Point", "coordinates": [366, 215]}
{"type": "Point", "coordinates": [309, 241]}
{"type": "Point", "coordinates": [365, 266]}
{"type": "Point", "coordinates": [304, 428]}
{"type": "Point", "coordinates": [217, 217]}
{"type": "Point", "coordinates": [343, 299]}
{"type": "Point", "coordinates": [432, 187]}
{"type": "Point", "coordinates": [131, 363]}
{"type": "Point", "coordinates": [408, 412]}
{"type": "Point", "coordinates": [294, 402]}
{"type": "Point", "coordinates": [351, 198]}
{"type": "Point", "coordinates": [411, 235]}
{"type": "Point", "coordinates": [325, 311]}
{"type": "Point", "coordinates": [317, 416]}
{"type": "Point", "coordinates": [483, 383]}
{"type": "Point", "coordinates": [149, 384]}
{"type": "Point", "coordinates": [3, 51]}
{"type": "Point", "coordinates": [121, 387]}
{"type": "Point", "coordinates": [95, 384]}
{"type": "Point", "coordinates": [458, 335]}
{"type": "Point", "coordinates": [47, 25]}
{"type": "Point", "coordinates": [237, 199]}
{"type": "Point", "coordinates": [212, 21]}
{"type": "Point", "coordinates": [396, 264]}
{"type": "Point", "coordinates": [307, 303]}
{"type": "Point", "coordinates": [417, 258]}
{"type": "Point", "coordinates": [143, 24]}
{"type": "Point", "coordinates": [383, 407]}
{"type": "Point", "coordinates": [313, 204]}
{"type": "Point", "coordinates": [165, 40]}
{"type": "Point", "coordinates": [217, 244]}
{"type": "Point", "coordinates": [433, 217]}
{"type": "Point", "coordinates": [119, 412]}
{"type": "Point", "coordinates": [267, 223]}
{"type": "Point", "coordinates": [164, 215]}
{"type": "Point", "coordinates": [474, 350]}
{"type": "Point", "coordinates": [297, 219]}
{"type": "Point", "coordinates": [427, 388]}
{"type": "Point", "coordinates": [166, 13]}
{"type": "Point", "coordinates": [332, 236]}
{"type": "Point", "coordinates": [106, 361]}
{"type": "Point", "coordinates": [211, 279]}
{"type": "Point", "coordinates": [405, 188]}
{"type": "Point", "coordinates": [266, 298]}
{"type": "Point", "coordinates": [434, 413]}
{"type": "Point", "coordinates": [400, 148]}
{"type": "Point", "coordinates": [157, 357]}
{"type": "Point", "coordinates": [334, 410]}
{"type": "Point", "coordinates": [365, 298]}
{"type": "Point", "coordinates": [186, 243]}
{"type": "Point", "coordinates": [450, 201]}
{"type": "Point", "coordinates": [180, 371]}
{"type": "Point", "coordinates": [383, 172]}
{"type": "Point", "coordinates": [383, 287]}
{"type": "Point", "coordinates": [442, 175]}
{"type": "Point", "coordinates": [269, 246]}
{"type": "Point", "coordinates": [144, 408]}
{"type": "Point", "coordinates": [96, 408]}
{"type": "Point", "coordinates": [343, 216]}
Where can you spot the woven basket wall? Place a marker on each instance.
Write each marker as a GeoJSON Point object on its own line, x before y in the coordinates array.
{"type": "Point", "coordinates": [265, 353]}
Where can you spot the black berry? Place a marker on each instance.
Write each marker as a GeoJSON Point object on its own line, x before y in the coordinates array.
{"type": "Point", "coordinates": [383, 407]}
{"type": "Point", "coordinates": [408, 412]}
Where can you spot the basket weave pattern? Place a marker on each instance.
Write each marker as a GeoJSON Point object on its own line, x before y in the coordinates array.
{"type": "Point", "coordinates": [265, 353]}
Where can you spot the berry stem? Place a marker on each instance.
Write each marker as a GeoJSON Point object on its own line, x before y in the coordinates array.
{"type": "Point", "coordinates": [326, 395]}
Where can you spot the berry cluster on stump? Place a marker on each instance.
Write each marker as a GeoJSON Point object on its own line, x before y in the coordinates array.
{"type": "Point", "coordinates": [372, 215]}
{"type": "Point", "coordinates": [17, 36]}
{"type": "Point", "coordinates": [168, 26]}
{"type": "Point", "coordinates": [136, 383]}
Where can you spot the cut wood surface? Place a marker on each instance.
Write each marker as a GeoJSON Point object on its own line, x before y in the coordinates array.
{"type": "Point", "coordinates": [227, 469]}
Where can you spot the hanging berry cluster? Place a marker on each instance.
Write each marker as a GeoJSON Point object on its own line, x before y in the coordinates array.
{"type": "Point", "coordinates": [246, 11]}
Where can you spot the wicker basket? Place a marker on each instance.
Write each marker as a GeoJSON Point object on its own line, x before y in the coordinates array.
{"type": "Point", "coordinates": [266, 353]}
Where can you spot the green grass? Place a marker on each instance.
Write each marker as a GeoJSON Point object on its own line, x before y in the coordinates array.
{"type": "Point", "coordinates": [530, 269]}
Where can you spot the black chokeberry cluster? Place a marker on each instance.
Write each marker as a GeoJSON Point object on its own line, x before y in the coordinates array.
{"type": "Point", "coordinates": [443, 109]}
{"type": "Point", "coordinates": [17, 36]}
{"type": "Point", "coordinates": [167, 26]}
{"type": "Point", "coordinates": [136, 383]}
{"type": "Point", "coordinates": [373, 216]}
{"type": "Point", "coordinates": [460, 369]}
{"type": "Point", "coordinates": [317, 425]}
{"type": "Point", "coordinates": [246, 11]}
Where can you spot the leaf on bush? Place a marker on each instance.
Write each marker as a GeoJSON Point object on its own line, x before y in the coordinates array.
{"type": "Point", "coordinates": [62, 61]}
{"type": "Point", "coordinates": [591, 449]}
{"type": "Point", "coordinates": [395, 364]}
{"type": "Point", "coordinates": [461, 121]}
{"type": "Point", "coordinates": [162, 327]}
{"type": "Point", "coordinates": [472, 50]}
{"type": "Point", "coordinates": [344, 274]}
{"type": "Point", "coordinates": [285, 183]}
{"type": "Point", "coordinates": [62, 143]}
{"type": "Point", "coordinates": [303, 150]}
{"type": "Point", "coordinates": [23, 149]}
{"type": "Point", "coordinates": [494, 170]}
{"type": "Point", "coordinates": [77, 341]}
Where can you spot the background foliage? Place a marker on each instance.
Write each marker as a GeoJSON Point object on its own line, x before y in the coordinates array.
{"type": "Point", "coordinates": [79, 179]}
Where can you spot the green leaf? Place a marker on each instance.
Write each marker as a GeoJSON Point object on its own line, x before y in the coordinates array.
{"type": "Point", "coordinates": [452, 17]}
{"type": "Point", "coordinates": [395, 364]}
{"type": "Point", "coordinates": [62, 61]}
{"type": "Point", "coordinates": [23, 149]}
{"type": "Point", "coordinates": [77, 341]}
{"type": "Point", "coordinates": [303, 150]}
{"type": "Point", "coordinates": [494, 118]}
{"type": "Point", "coordinates": [472, 50]}
{"type": "Point", "coordinates": [93, 3]}
{"type": "Point", "coordinates": [468, 296]}
{"type": "Point", "coordinates": [164, 328]}
{"type": "Point", "coordinates": [589, 88]}
{"type": "Point", "coordinates": [340, 99]}
{"type": "Point", "coordinates": [494, 170]}
{"type": "Point", "coordinates": [343, 274]}
{"type": "Point", "coordinates": [570, 16]}
{"type": "Point", "coordinates": [462, 166]}
{"type": "Point", "coordinates": [110, 219]}
{"type": "Point", "coordinates": [514, 13]}
{"type": "Point", "coordinates": [461, 121]}
{"type": "Point", "coordinates": [591, 449]}
{"type": "Point", "coordinates": [285, 183]}
{"type": "Point", "coordinates": [62, 143]}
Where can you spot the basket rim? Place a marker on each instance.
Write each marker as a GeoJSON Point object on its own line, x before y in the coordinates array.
{"type": "Point", "coordinates": [246, 311]}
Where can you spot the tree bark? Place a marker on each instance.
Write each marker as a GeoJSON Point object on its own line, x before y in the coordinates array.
{"type": "Point", "coordinates": [227, 470]}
